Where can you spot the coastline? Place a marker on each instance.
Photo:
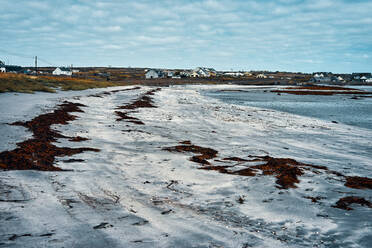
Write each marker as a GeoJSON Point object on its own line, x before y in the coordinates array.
{"type": "Point", "coordinates": [135, 187]}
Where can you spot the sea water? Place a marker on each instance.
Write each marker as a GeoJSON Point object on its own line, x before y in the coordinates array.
{"type": "Point", "coordinates": [337, 108]}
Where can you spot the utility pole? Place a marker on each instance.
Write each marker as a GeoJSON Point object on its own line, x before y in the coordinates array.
{"type": "Point", "coordinates": [36, 64]}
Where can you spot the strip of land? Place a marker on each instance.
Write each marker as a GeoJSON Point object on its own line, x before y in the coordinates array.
{"type": "Point", "coordinates": [321, 90]}
{"type": "Point", "coordinates": [28, 84]}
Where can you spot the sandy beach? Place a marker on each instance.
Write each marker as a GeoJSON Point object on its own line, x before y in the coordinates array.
{"type": "Point", "coordinates": [142, 166]}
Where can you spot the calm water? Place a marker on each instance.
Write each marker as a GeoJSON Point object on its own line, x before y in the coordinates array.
{"type": "Point", "coordinates": [340, 108]}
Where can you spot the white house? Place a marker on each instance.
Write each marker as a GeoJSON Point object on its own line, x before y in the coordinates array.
{"type": "Point", "coordinates": [321, 75]}
{"type": "Point", "coordinates": [200, 72]}
{"type": "Point", "coordinates": [153, 74]}
{"type": "Point", "coordinates": [261, 76]}
{"type": "Point", "coordinates": [322, 79]}
{"type": "Point", "coordinates": [203, 72]}
{"type": "Point", "coordinates": [185, 74]}
{"type": "Point", "coordinates": [194, 74]}
{"type": "Point", "coordinates": [234, 74]}
{"type": "Point", "coordinates": [62, 71]}
{"type": "Point", "coordinates": [169, 74]}
{"type": "Point", "coordinates": [2, 69]}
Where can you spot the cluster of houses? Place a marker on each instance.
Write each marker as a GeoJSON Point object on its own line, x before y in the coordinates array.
{"type": "Point", "coordinates": [199, 72]}
{"type": "Point", "coordinates": [327, 77]}
{"type": "Point", "coordinates": [204, 72]}
{"type": "Point", "coordinates": [362, 77]}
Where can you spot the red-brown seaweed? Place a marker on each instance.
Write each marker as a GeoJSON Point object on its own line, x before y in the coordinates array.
{"type": "Point", "coordinates": [345, 202]}
{"type": "Point", "coordinates": [38, 153]}
{"type": "Point", "coordinates": [358, 182]}
{"type": "Point", "coordinates": [144, 101]}
{"type": "Point", "coordinates": [286, 170]}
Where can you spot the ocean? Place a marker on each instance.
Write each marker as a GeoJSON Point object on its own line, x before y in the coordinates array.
{"type": "Point", "coordinates": [334, 108]}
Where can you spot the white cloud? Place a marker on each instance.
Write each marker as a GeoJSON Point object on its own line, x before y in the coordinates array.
{"type": "Point", "coordinates": [99, 13]}
{"type": "Point", "coordinates": [108, 28]}
{"type": "Point", "coordinates": [158, 40]}
{"type": "Point", "coordinates": [43, 29]}
{"type": "Point", "coordinates": [204, 27]}
{"type": "Point", "coordinates": [214, 5]}
{"type": "Point", "coordinates": [123, 19]}
{"type": "Point", "coordinates": [111, 46]}
{"type": "Point", "coordinates": [38, 5]}
{"type": "Point", "coordinates": [73, 44]}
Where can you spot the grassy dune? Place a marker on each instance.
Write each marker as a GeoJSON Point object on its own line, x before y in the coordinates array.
{"type": "Point", "coordinates": [29, 84]}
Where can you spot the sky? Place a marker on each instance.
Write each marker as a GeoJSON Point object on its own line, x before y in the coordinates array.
{"type": "Point", "coordinates": [281, 35]}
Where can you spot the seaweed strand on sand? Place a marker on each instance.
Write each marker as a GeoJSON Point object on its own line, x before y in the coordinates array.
{"type": "Point", "coordinates": [39, 152]}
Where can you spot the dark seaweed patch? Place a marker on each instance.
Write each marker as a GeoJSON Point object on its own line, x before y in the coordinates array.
{"type": "Point", "coordinates": [345, 202]}
{"type": "Point", "coordinates": [38, 153]}
{"type": "Point", "coordinates": [144, 101]}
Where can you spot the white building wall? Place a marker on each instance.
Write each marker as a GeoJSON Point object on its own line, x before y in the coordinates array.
{"type": "Point", "coordinates": [151, 74]}
{"type": "Point", "coordinates": [67, 73]}
{"type": "Point", "coordinates": [59, 72]}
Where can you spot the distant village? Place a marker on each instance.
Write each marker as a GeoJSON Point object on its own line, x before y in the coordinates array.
{"type": "Point", "coordinates": [201, 73]}
{"type": "Point", "coordinates": [319, 77]}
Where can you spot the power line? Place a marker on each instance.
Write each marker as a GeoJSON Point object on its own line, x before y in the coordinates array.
{"type": "Point", "coordinates": [45, 61]}
{"type": "Point", "coordinates": [16, 54]}
{"type": "Point", "coordinates": [25, 56]}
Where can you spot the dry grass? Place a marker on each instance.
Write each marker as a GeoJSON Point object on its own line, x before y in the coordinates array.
{"type": "Point", "coordinates": [29, 84]}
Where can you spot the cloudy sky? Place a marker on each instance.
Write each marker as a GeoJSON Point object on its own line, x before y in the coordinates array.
{"type": "Point", "coordinates": [291, 35]}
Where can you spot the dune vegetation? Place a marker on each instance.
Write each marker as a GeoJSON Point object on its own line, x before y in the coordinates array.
{"type": "Point", "coordinates": [28, 84]}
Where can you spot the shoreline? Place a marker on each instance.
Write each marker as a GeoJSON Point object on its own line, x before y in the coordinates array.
{"type": "Point", "coordinates": [141, 185]}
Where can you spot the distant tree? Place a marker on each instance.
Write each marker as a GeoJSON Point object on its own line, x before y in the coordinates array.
{"type": "Point", "coordinates": [1, 63]}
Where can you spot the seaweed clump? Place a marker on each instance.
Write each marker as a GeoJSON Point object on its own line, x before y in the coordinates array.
{"type": "Point", "coordinates": [345, 202]}
{"type": "Point", "coordinates": [204, 153]}
{"type": "Point", "coordinates": [358, 182]}
{"type": "Point", "coordinates": [286, 170]}
{"type": "Point", "coordinates": [38, 153]}
{"type": "Point", "coordinates": [144, 101]}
